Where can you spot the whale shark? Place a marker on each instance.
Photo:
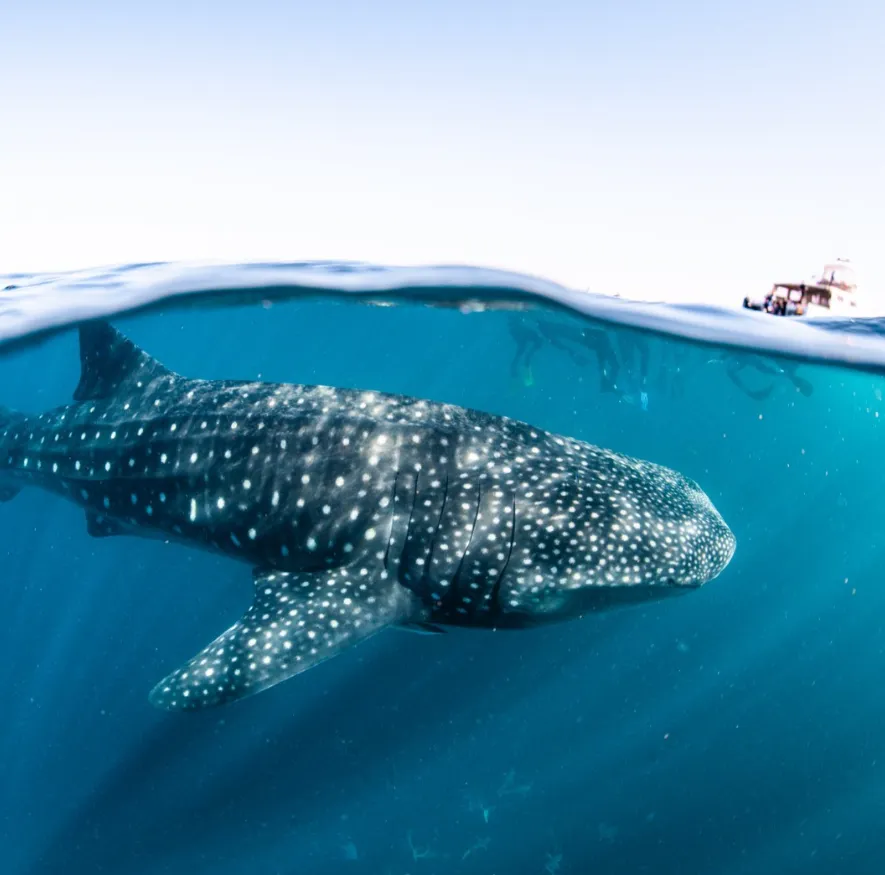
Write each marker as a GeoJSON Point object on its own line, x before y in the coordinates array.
{"type": "Point", "coordinates": [356, 510]}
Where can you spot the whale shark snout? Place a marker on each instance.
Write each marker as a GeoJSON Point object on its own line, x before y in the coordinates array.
{"type": "Point", "coordinates": [711, 543]}
{"type": "Point", "coordinates": [660, 530]}
{"type": "Point", "coordinates": [696, 546]}
{"type": "Point", "coordinates": [722, 548]}
{"type": "Point", "coordinates": [709, 550]}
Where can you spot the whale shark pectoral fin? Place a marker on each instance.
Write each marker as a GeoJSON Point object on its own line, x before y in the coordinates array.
{"type": "Point", "coordinates": [98, 526]}
{"type": "Point", "coordinates": [296, 621]}
{"type": "Point", "coordinates": [7, 493]}
{"type": "Point", "coordinates": [109, 361]}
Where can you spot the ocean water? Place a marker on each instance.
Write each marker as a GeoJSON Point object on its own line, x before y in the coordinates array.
{"type": "Point", "coordinates": [739, 728]}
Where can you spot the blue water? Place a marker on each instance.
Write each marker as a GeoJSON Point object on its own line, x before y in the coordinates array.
{"type": "Point", "coordinates": [740, 728]}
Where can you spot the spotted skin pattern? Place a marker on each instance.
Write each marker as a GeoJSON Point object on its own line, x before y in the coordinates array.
{"type": "Point", "coordinates": [356, 510]}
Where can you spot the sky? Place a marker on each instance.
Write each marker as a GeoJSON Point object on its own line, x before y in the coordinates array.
{"type": "Point", "coordinates": [685, 151]}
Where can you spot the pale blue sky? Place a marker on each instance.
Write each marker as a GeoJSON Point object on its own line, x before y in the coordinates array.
{"type": "Point", "coordinates": [684, 147]}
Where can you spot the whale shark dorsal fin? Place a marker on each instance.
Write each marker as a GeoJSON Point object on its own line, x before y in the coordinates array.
{"type": "Point", "coordinates": [110, 363]}
{"type": "Point", "coordinates": [285, 632]}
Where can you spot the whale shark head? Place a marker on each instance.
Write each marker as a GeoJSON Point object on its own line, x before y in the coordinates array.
{"type": "Point", "coordinates": [695, 542]}
{"type": "Point", "coordinates": [662, 529]}
{"type": "Point", "coordinates": [619, 531]}
{"type": "Point", "coordinates": [663, 534]}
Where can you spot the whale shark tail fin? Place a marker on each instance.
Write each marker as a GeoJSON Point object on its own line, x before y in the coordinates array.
{"type": "Point", "coordinates": [296, 621]}
{"type": "Point", "coordinates": [8, 418]}
{"type": "Point", "coordinates": [112, 365]}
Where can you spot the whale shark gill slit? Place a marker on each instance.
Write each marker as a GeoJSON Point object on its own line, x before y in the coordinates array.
{"type": "Point", "coordinates": [403, 492]}
{"type": "Point", "coordinates": [455, 591]}
{"type": "Point", "coordinates": [425, 577]}
{"type": "Point", "coordinates": [410, 520]}
{"type": "Point", "coordinates": [390, 528]}
{"type": "Point", "coordinates": [494, 601]}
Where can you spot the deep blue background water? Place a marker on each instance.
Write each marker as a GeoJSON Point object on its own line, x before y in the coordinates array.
{"type": "Point", "coordinates": [740, 728]}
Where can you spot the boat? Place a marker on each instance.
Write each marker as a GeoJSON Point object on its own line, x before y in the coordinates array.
{"type": "Point", "coordinates": [832, 293]}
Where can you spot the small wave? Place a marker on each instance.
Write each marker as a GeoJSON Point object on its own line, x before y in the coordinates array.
{"type": "Point", "coordinates": [32, 305]}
